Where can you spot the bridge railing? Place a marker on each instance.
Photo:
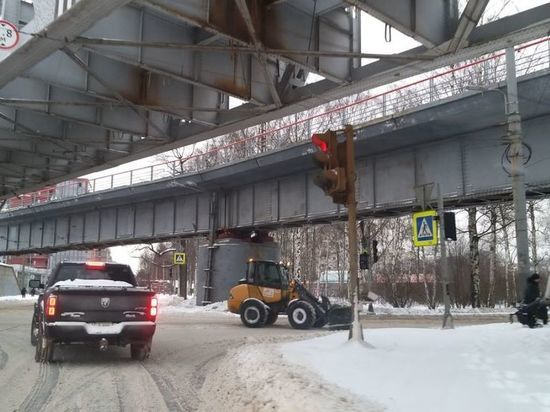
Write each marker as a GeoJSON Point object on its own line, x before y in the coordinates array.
{"type": "Point", "coordinates": [379, 103]}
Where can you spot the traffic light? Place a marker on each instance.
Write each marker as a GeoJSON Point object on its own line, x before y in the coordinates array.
{"type": "Point", "coordinates": [450, 226]}
{"type": "Point", "coordinates": [331, 157]}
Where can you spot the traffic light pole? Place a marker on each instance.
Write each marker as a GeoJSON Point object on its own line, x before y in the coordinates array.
{"type": "Point", "coordinates": [448, 322]}
{"type": "Point", "coordinates": [182, 274]}
{"type": "Point", "coordinates": [356, 330]}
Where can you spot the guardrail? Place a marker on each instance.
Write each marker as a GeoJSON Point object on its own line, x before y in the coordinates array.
{"type": "Point", "coordinates": [388, 100]}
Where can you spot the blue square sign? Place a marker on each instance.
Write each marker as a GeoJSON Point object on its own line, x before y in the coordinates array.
{"type": "Point", "coordinates": [425, 228]}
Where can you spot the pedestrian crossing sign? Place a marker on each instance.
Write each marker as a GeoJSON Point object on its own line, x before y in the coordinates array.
{"type": "Point", "coordinates": [425, 228]}
{"type": "Point", "coordinates": [179, 258]}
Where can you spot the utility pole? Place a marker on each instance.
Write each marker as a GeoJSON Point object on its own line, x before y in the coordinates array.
{"type": "Point", "coordinates": [356, 331]}
{"type": "Point", "coordinates": [182, 273]}
{"type": "Point", "coordinates": [445, 281]}
{"type": "Point", "coordinates": [516, 170]}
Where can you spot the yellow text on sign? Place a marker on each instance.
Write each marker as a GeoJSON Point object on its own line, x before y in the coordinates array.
{"type": "Point", "coordinates": [180, 258]}
{"type": "Point", "coordinates": [425, 228]}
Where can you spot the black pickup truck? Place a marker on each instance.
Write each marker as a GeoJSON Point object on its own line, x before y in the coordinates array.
{"type": "Point", "coordinates": [93, 302]}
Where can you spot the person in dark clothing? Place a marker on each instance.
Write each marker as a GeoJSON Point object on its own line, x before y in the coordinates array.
{"type": "Point", "coordinates": [535, 308]}
{"type": "Point", "coordinates": [532, 292]}
{"type": "Point", "coordinates": [23, 292]}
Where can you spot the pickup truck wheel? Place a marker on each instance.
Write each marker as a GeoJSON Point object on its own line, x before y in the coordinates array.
{"type": "Point", "coordinates": [140, 351]}
{"type": "Point", "coordinates": [34, 330]}
{"type": "Point", "coordinates": [44, 348]}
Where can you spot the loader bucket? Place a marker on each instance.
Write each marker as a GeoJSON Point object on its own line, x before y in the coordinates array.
{"type": "Point", "coordinates": [339, 317]}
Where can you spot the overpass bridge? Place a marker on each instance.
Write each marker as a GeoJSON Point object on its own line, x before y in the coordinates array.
{"type": "Point", "coordinates": [104, 82]}
{"type": "Point", "coordinates": [456, 142]}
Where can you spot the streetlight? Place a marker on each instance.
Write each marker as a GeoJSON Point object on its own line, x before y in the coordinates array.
{"type": "Point", "coordinates": [483, 89]}
{"type": "Point", "coordinates": [513, 138]}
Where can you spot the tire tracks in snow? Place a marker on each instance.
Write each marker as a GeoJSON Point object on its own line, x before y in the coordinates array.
{"type": "Point", "coordinates": [3, 359]}
{"type": "Point", "coordinates": [117, 386]}
{"type": "Point", "coordinates": [37, 398]}
{"type": "Point", "coordinates": [169, 392]}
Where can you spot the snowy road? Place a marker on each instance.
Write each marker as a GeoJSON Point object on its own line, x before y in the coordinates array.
{"type": "Point", "coordinates": [188, 368]}
{"type": "Point", "coordinates": [185, 348]}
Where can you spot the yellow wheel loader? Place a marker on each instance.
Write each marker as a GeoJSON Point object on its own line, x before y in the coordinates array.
{"type": "Point", "coordinates": [266, 291]}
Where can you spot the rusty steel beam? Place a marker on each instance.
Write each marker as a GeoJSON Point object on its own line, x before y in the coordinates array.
{"type": "Point", "coordinates": [227, 32]}
{"type": "Point", "coordinates": [118, 96]}
{"type": "Point", "coordinates": [247, 17]}
{"type": "Point", "coordinates": [21, 103]}
{"type": "Point", "coordinates": [247, 50]}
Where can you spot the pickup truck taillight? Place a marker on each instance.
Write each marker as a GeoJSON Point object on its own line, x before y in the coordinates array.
{"type": "Point", "coordinates": [153, 307]}
{"type": "Point", "coordinates": [51, 304]}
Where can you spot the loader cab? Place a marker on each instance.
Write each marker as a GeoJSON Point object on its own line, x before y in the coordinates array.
{"type": "Point", "coordinates": [267, 274]}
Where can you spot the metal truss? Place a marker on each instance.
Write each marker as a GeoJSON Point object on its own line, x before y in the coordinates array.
{"type": "Point", "coordinates": [107, 82]}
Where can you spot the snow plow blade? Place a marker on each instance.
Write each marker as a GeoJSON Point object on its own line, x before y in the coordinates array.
{"type": "Point", "coordinates": [339, 318]}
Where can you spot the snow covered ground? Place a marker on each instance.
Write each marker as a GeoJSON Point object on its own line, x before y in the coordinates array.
{"type": "Point", "coordinates": [497, 367]}
{"type": "Point", "coordinates": [18, 299]}
{"type": "Point", "coordinates": [422, 310]}
{"type": "Point", "coordinates": [176, 304]}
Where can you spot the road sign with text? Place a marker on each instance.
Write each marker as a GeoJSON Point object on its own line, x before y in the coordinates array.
{"type": "Point", "coordinates": [425, 228]}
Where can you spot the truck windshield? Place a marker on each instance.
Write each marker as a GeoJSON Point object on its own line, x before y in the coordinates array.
{"type": "Point", "coordinates": [70, 271]}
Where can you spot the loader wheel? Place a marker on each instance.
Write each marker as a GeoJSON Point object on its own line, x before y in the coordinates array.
{"type": "Point", "coordinates": [271, 317]}
{"type": "Point", "coordinates": [301, 315]}
{"type": "Point", "coordinates": [253, 314]}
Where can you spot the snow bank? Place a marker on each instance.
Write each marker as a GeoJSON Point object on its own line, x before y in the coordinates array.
{"type": "Point", "coordinates": [422, 310]}
{"type": "Point", "coordinates": [176, 304]}
{"type": "Point", "coordinates": [497, 367]}
{"type": "Point", "coordinates": [19, 299]}
{"type": "Point", "coordinates": [256, 378]}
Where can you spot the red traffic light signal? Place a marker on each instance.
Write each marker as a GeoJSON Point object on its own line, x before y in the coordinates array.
{"type": "Point", "coordinates": [332, 179]}
{"type": "Point", "coordinates": [321, 141]}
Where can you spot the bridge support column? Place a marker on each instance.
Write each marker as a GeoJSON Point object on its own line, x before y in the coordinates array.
{"type": "Point", "coordinates": [212, 228]}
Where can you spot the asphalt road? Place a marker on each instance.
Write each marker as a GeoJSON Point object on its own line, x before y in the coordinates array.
{"type": "Point", "coordinates": [186, 349]}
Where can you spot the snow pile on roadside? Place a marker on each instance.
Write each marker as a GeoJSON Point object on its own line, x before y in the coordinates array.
{"type": "Point", "coordinates": [256, 378]}
{"type": "Point", "coordinates": [497, 367]}
{"type": "Point", "coordinates": [19, 299]}
{"type": "Point", "coordinates": [176, 304]}
{"type": "Point", "coordinates": [422, 310]}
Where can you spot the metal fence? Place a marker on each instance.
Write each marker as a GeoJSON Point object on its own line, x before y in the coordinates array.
{"type": "Point", "coordinates": [357, 110]}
